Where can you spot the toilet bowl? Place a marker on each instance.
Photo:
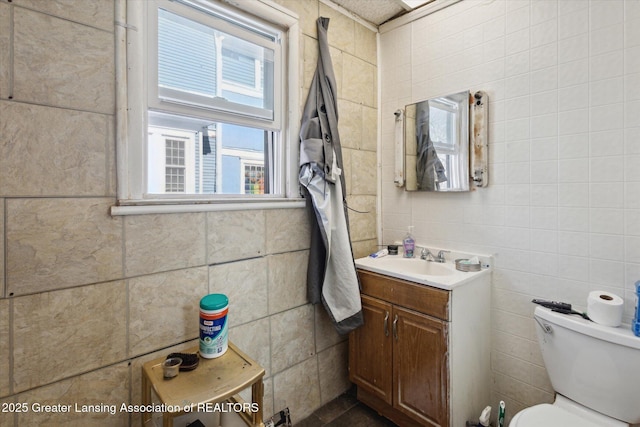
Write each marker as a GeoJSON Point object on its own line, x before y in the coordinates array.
{"type": "Point", "coordinates": [593, 370]}
{"type": "Point", "coordinates": [563, 413]}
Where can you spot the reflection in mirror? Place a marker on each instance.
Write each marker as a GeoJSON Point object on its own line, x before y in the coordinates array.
{"type": "Point", "coordinates": [437, 144]}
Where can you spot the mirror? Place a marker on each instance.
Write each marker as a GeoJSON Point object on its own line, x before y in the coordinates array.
{"type": "Point", "coordinates": [437, 144]}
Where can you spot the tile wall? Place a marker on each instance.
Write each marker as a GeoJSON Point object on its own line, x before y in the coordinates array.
{"type": "Point", "coordinates": [87, 298]}
{"type": "Point", "coordinates": [561, 214]}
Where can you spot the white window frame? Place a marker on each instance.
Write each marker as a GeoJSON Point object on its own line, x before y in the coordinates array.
{"type": "Point", "coordinates": [131, 116]}
{"type": "Point", "coordinates": [175, 101]}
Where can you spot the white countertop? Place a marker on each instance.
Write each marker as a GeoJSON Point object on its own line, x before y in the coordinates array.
{"type": "Point", "coordinates": [439, 275]}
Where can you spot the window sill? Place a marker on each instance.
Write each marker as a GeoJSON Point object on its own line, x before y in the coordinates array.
{"type": "Point", "coordinates": [146, 207]}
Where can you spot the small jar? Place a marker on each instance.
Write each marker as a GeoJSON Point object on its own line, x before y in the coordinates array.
{"type": "Point", "coordinates": [171, 367]}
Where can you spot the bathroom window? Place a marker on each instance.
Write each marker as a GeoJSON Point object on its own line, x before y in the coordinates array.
{"type": "Point", "coordinates": [209, 89]}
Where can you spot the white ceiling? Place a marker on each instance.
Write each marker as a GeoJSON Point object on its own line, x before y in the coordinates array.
{"type": "Point", "coordinates": [380, 11]}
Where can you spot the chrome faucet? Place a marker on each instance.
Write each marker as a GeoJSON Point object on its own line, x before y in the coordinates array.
{"type": "Point", "coordinates": [441, 257]}
{"type": "Point", "coordinates": [426, 255]}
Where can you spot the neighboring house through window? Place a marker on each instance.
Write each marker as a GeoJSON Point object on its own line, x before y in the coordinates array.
{"type": "Point", "coordinates": [208, 98]}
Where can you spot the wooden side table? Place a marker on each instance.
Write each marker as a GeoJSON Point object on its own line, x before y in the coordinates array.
{"type": "Point", "coordinates": [213, 381]}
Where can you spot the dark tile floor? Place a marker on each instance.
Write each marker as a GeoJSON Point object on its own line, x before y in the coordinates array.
{"type": "Point", "coordinates": [344, 411]}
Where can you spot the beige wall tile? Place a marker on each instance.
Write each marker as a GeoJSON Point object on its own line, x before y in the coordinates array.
{"type": "Point", "coordinates": [52, 151]}
{"type": "Point", "coordinates": [364, 172]}
{"type": "Point", "coordinates": [97, 13]}
{"type": "Point", "coordinates": [341, 29]}
{"type": "Point", "coordinates": [164, 308]}
{"type": "Point", "coordinates": [333, 365]}
{"type": "Point", "coordinates": [5, 50]}
{"type": "Point", "coordinates": [298, 389]}
{"type": "Point", "coordinates": [108, 386]}
{"type": "Point", "coordinates": [245, 284]}
{"type": "Point", "coordinates": [155, 243]}
{"type": "Point", "coordinates": [369, 129]}
{"type": "Point", "coordinates": [63, 333]}
{"type": "Point", "coordinates": [359, 81]}
{"type": "Point", "coordinates": [365, 247]}
{"type": "Point", "coordinates": [349, 123]}
{"type": "Point", "coordinates": [235, 235]}
{"type": "Point", "coordinates": [325, 333]}
{"type": "Point", "coordinates": [59, 243]}
{"type": "Point", "coordinates": [362, 224]}
{"type": "Point", "coordinates": [5, 350]}
{"type": "Point", "coordinates": [61, 63]}
{"type": "Point", "coordinates": [366, 45]}
{"type": "Point", "coordinates": [287, 280]}
{"type": "Point", "coordinates": [287, 230]}
{"type": "Point", "coordinates": [291, 337]}
{"type": "Point", "coordinates": [253, 339]}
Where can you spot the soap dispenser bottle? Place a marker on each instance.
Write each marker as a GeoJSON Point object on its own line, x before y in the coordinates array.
{"type": "Point", "coordinates": [409, 244]}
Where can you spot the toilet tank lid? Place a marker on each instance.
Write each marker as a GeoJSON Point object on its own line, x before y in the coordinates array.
{"type": "Point", "coordinates": [621, 335]}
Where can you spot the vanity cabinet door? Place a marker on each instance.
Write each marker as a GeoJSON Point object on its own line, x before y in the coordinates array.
{"type": "Point", "coordinates": [420, 377]}
{"type": "Point", "coordinates": [370, 350]}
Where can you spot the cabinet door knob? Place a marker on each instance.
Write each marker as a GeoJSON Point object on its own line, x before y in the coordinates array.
{"type": "Point", "coordinates": [395, 327]}
{"type": "Point", "coordinates": [386, 324]}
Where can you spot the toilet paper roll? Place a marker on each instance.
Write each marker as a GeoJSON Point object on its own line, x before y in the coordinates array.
{"type": "Point", "coordinates": [605, 308]}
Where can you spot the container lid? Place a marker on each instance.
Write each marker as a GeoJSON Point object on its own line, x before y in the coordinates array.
{"type": "Point", "coordinates": [214, 302]}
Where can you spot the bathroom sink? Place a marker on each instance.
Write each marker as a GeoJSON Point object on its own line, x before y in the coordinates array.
{"type": "Point", "coordinates": [440, 275]}
{"type": "Point", "coordinates": [416, 266]}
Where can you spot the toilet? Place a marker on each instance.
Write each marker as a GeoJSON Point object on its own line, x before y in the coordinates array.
{"type": "Point", "coordinates": [594, 370]}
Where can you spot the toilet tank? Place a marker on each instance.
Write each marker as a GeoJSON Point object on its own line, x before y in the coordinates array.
{"type": "Point", "coordinates": [594, 365]}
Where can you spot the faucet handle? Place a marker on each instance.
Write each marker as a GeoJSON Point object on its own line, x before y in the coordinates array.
{"type": "Point", "coordinates": [425, 254]}
{"type": "Point", "coordinates": [441, 257]}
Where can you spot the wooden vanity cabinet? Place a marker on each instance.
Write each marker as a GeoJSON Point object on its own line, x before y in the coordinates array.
{"type": "Point", "coordinates": [370, 356]}
{"type": "Point", "coordinates": [420, 367]}
{"type": "Point", "coordinates": [400, 358]}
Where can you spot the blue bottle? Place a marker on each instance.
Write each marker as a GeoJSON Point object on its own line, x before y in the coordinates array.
{"type": "Point", "coordinates": [635, 325]}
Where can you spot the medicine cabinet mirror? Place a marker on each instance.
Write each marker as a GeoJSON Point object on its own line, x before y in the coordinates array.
{"type": "Point", "coordinates": [437, 144]}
